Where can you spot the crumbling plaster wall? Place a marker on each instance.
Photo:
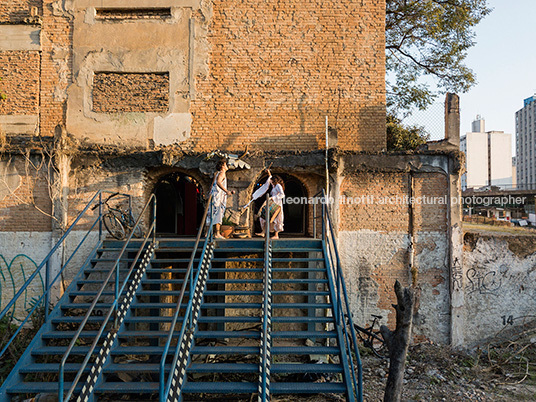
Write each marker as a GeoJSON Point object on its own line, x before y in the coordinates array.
{"type": "Point", "coordinates": [132, 46]}
{"type": "Point", "coordinates": [500, 284]}
{"type": "Point", "coordinates": [374, 237]}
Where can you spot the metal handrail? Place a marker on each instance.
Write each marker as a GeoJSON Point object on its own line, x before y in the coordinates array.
{"type": "Point", "coordinates": [113, 307]}
{"type": "Point", "coordinates": [46, 263]}
{"type": "Point", "coordinates": [165, 387]}
{"type": "Point", "coordinates": [337, 274]}
{"type": "Point", "coordinates": [264, 350]}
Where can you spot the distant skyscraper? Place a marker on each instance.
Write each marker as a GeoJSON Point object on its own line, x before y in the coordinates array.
{"type": "Point", "coordinates": [525, 144]}
{"type": "Point", "coordinates": [488, 157]}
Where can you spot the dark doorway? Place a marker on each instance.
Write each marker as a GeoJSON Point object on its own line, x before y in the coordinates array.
{"type": "Point", "coordinates": [179, 201]}
{"type": "Point", "coordinates": [295, 213]}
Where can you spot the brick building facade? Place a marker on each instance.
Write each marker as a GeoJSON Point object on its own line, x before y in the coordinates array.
{"type": "Point", "coordinates": [126, 95]}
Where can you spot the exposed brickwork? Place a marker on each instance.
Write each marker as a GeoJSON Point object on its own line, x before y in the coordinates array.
{"type": "Point", "coordinates": [277, 68]}
{"type": "Point", "coordinates": [380, 202]}
{"type": "Point", "coordinates": [120, 14]}
{"type": "Point", "coordinates": [361, 202]}
{"type": "Point", "coordinates": [28, 207]}
{"type": "Point", "coordinates": [135, 92]}
{"type": "Point", "coordinates": [56, 74]}
{"type": "Point", "coordinates": [19, 71]}
{"type": "Point", "coordinates": [15, 11]}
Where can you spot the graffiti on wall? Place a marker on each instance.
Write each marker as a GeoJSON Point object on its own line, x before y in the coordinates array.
{"type": "Point", "coordinates": [457, 275]}
{"type": "Point", "coordinates": [12, 276]}
{"type": "Point", "coordinates": [483, 281]}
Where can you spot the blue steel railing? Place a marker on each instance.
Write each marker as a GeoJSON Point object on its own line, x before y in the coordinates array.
{"type": "Point", "coordinates": [341, 306]}
{"type": "Point", "coordinates": [49, 283]}
{"type": "Point", "coordinates": [165, 386]}
{"type": "Point", "coordinates": [114, 307]}
{"type": "Point", "coordinates": [264, 391]}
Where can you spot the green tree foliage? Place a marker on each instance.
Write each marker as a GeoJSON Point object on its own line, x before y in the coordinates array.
{"type": "Point", "coordinates": [404, 138]}
{"type": "Point", "coordinates": [429, 38]}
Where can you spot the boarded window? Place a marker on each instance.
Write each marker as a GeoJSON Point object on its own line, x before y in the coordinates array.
{"type": "Point", "coordinates": [130, 92]}
{"type": "Point", "coordinates": [122, 14]}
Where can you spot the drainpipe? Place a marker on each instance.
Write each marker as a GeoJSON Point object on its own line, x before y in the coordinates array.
{"type": "Point", "coordinates": [411, 231]}
{"type": "Point", "coordinates": [326, 160]}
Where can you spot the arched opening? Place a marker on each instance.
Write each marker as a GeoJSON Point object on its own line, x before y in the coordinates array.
{"type": "Point", "coordinates": [179, 200]}
{"type": "Point", "coordinates": [295, 213]}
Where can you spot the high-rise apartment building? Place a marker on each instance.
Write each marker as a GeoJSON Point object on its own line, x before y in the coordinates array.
{"type": "Point", "coordinates": [488, 157]}
{"type": "Point", "coordinates": [525, 138]}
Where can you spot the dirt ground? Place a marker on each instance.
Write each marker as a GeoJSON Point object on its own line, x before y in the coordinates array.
{"type": "Point", "coordinates": [437, 373]}
{"type": "Point", "coordinates": [501, 370]}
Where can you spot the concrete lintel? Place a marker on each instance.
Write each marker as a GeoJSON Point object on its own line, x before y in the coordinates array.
{"type": "Point", "coordinates": [20, 37]}
{"type": "Point", "coordinates": [138, 4]}
{"type": "Point", "coordinates": [399, 163]}
{"type": "Point", "coordinates": [19, 124]}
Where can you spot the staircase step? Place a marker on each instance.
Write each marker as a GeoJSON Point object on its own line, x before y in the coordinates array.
{"type": "Point", "coordinates": [229, 319]}
{"type": "Point", "coordinates": [235, 281]}
{"type": "Point", "coordinates": [307, 388]}
{"type": "Point", "coordinates": [239, 250]}
{"type": "Point", "coordinates": [238, 259]}
{"type": "Point", "coordinates": [225, 350]}
{"type": "Point", "coordinates": [53, 368]}
{"type": "Point", "coordinates": [90, 293]}
{"type": "Point", "coordinates": [223, 368]}
{"type": "Point", "coordinates": [77, 319]}
{"type": "Point", "coordinates": [220, 387]}
{"type": "Point", "coordinates": [299, 281]}
{"type": "Point", "coordinates": [128, 387]}
{"type": "Point", "coordinates": [146, 334]}
{"type": "Point", "coordinates": [134, 367]}
{"type": "Point", "coordinates": [282, 368]}
{"type": "Point", "coordinates": [85, 306]}
{"type": "Point", "coordinates": [300, 292]}
{"type": "Point", "coordinates": [106, 259]}
{"type": "Point", "coordinates": [227, 334]}
{"type": "Point", "coordinates": [286, 259]}
{"type": "Point", "coordinates": [305, 350]}
{"type": "Point", "coordinates": [302, 305]}
{"type": "Point", "coordinates": [60, 350]}
{"type": "Point", "coordinates": [296, 250]}
{"type": "Point", "coordinates": [304, 334]}
{"type": "Point", "coordinates": [39, 387]}
{"type": "Point", "coordinates": [294, 319]}
{"type": "Point", "coordinates": [298, 269]}
{"type": "Point", "coordinates": [70, 334]}
{"type": "Point", "coordinates": [244, 270]}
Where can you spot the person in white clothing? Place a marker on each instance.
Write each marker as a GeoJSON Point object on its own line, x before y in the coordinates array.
{"type": "Point", "coordinates": [219, 197]}
{"type": "Point", "coordinates": [277, 194]}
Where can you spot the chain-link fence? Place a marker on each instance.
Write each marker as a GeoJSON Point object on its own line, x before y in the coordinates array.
{"type": "Point", "coordinates": [432, 119]}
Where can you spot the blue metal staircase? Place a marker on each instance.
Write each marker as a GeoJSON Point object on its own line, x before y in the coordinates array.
{"type": "Point", "coordinates": [189, 319]}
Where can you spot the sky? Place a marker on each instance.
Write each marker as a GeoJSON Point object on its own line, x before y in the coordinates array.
{"type": "Point", "coordinates": [504, 60]}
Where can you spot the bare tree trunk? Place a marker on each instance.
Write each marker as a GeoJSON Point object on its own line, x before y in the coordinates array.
{"type": "Point", "coordinates": [398, 342]}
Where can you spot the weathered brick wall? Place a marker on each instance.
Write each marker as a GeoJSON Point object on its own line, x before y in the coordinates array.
{"type": "Point", "coordinates": [122, 92]}
{"type": "Point", "coordinates": [374, 246]}
{"type": "Point", "coordinates": [56, 73]}
{"type": "Point", "coordinates": [15, 11]}
{"type": "Point", "coordinates": [26, 207]}
{"type": "Point", "coordinates": [277, 68]}
{"type": "Point", "coordinates": [19, 71]}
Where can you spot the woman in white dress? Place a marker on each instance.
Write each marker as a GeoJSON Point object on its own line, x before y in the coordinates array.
{"type": "Point", "coordinates": [277, 195]}
{"type": "Point", "coordinates": [219, 194]}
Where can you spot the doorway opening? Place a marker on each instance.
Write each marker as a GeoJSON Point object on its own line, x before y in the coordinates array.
{"type": "Point", "coordinates": [180, 206]}
{"type": "Point", "coordinates": [295, 214]}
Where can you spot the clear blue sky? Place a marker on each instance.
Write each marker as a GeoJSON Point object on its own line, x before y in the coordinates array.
{"type": "Point", "coordinates": [504, 60]}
